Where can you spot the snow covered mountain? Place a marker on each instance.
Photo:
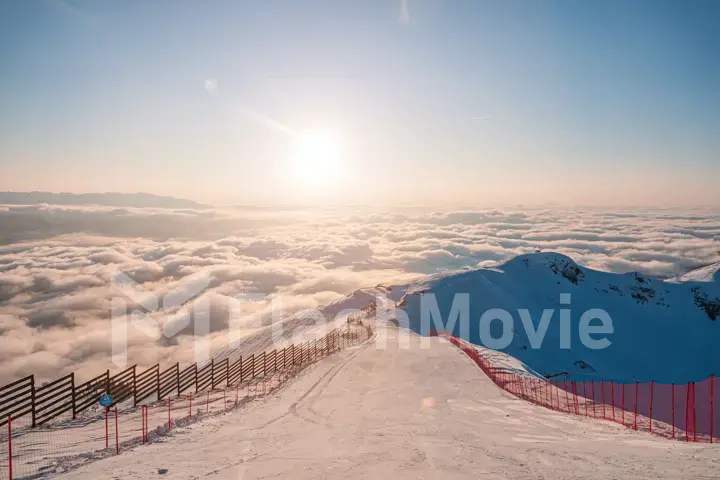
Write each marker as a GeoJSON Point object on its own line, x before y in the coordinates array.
{"type": "Point", "coordinates": [667, 331]}
{"type": "Point", "coordinates": [664, 330]}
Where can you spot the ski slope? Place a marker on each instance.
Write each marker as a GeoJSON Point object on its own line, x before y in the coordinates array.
{"type": "Point", "coordinates": [403, 407]}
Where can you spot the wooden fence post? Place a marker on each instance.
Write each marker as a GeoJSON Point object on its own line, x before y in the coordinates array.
{"type": "Point", "coordinates": [134, 379]}
{"type": "Point", "coordinates": [157, 381]}
{"type": "Point", "coordinates": [196, 384]}
{"type": "Point", "coordinates": [32, 398]}
{"type": "Point", "coordinates": [9, 423]}
{"type": "Point", "coordinates": [72, 385]}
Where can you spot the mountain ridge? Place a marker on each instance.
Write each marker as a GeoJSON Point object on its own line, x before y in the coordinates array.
{"type": "Point", "coordinates": [663, 330]}
{"type": "Point", "coordinates": [107, 199]}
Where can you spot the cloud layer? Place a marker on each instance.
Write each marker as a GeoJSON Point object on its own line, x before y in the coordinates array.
{"type": "Point", "coordinates": [57, 265]}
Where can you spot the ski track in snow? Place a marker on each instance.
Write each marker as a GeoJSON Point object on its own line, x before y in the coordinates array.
{"type": "Point", "coordinates": [372, 412]}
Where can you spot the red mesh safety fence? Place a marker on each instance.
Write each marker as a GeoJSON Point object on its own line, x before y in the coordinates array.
{"type": "Point", "coordinates": [686, 412]}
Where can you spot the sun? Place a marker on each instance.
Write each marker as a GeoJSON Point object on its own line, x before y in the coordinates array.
{"type": "Point", "coordinates": [315, 156]}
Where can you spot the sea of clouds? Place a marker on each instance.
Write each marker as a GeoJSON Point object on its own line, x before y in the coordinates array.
{"type": "Point", "coordinates": [58, 264]}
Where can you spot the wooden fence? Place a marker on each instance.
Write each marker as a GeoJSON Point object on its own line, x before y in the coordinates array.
{"type": "Point", "coordinates": [45, 403]}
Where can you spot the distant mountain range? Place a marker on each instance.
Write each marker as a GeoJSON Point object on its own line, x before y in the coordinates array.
{"type": "Point", "coordinates": [109, 199]}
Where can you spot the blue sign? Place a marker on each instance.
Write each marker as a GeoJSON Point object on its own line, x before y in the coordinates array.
{"type": "Point", "coordinates": [106, 400]}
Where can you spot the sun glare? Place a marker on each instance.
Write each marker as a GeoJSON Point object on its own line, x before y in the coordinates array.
{"type": "Point", "coordinates": [315, 155]}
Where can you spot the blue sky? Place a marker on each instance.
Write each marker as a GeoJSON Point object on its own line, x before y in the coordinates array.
{"type": "Point", "coordinates": [580, 101]}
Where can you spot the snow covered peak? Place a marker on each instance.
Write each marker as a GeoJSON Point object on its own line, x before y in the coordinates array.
{"type": "Point", "coordinates": [708, 273]}
{"type": "Point", "coordinates": [537, 259]}
{"type": "Point", "coordinates": [663, 331]}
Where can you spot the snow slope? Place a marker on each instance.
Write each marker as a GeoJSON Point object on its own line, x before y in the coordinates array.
{"type": "Point", "coordinates": [708, 273]}
{"type": "Point", "coordinates": [309, 324]}
{"type": "Point", "coordinates": [393, 409]}
{"type": "Point", "coordinates": [663, 331]}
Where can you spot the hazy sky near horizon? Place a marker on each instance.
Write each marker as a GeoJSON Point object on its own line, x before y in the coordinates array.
{"type": "Point", "coordinates": [455, 102]}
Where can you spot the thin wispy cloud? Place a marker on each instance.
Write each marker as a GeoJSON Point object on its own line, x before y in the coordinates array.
{"type": "Point", "coordinates": [268, 122]}
{"type": "Point", "coordinates": [404, 12]}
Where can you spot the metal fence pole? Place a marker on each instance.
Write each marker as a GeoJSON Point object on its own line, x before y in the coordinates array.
{"type": "Point", "coordinates": [672, 403]}
{"type": "Point", "coordinates": [712, 406]}
{"type": "Point", "coordinates": [637, 394]}
{"type": "Point", "coordinates": [652, 390]}
{"type": "Point", "coordinates": [117, 434]}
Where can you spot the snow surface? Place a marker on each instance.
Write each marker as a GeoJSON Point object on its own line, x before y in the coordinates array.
{"type": "Point", "coordinates": [663, 331]}
{"type": "Point", "coordinates": [403, 407]}
{"type": "Point", "coordinates": [309, 324]}
{"type": "Point", "coordinates": [709, 273]}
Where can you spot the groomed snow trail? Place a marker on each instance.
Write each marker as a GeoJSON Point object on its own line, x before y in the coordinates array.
{"type": "Point", "coordinates": [391, 409]}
